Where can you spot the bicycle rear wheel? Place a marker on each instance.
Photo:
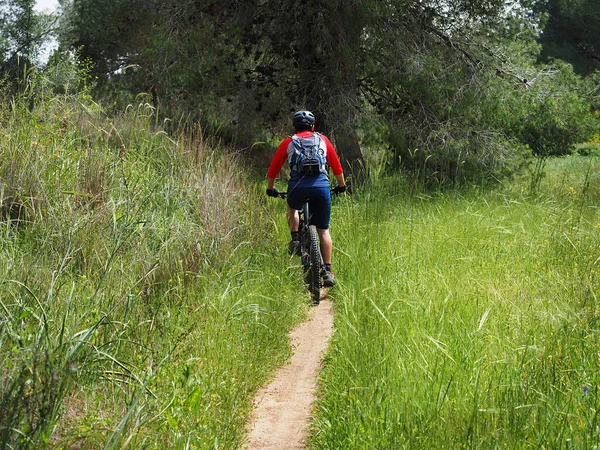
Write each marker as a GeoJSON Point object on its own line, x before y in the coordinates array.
{"type": "Point", "coordinates": [313, 274]}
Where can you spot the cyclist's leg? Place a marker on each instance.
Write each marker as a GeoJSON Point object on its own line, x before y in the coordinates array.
{"type": "Point", "coordinates": [293, 219]}
{"type": "Point", "coordinates": [321, 214]}
{"type": "Point", "coordinates": [326, 245]}
{"type": "Point", "coordinates": [294, 202]}
{"type": "Point", "coordinates": [326, 250]}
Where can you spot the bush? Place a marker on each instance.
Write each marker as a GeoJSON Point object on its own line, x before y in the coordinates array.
{"type": "Point", "coordinates": [552, 114]}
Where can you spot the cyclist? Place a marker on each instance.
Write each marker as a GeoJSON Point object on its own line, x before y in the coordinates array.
{"type": "Point", "coordinates": [302, 186]}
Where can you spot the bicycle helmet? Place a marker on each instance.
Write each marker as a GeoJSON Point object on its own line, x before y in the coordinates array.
{"type": "Point", "coordinates": [303, 120]}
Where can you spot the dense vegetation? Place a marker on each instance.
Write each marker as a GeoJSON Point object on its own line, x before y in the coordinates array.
{"type": "Point", "coordinates": [144, 293]}
{"type": "Point", "coordinates": [572, 33]}
{"type": "Point", "coordinates": [145, 296]}
{"type": "Point", "coordinates": [136, 298]}
{"type": "Point", "coordinates": [453, 91]}
{"type": "Point", "coordinates": [471, 319]}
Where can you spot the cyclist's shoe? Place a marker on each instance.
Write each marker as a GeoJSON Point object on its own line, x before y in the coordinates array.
{"type": "Point", "coordinates": [294, 248]}
{"type": "Point", "coordinates": [328, 279]}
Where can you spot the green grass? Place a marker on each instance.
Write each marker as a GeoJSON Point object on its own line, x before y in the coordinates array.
{"type": "Point", "coordinates": [144, 293]}
{"type": "Point", "coordinates": [145, 296]}
{"type": "Point", "coordinates": [467, 320]}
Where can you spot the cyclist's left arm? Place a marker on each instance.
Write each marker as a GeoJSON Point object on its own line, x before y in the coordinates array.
{"type": "Point", "coordinates": [340, 180]}
{"type": "Point", "coordinates": [332, 157]}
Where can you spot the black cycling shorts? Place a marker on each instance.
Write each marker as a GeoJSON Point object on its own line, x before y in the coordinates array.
{"type": "Point", "coordinates": [320, 203]}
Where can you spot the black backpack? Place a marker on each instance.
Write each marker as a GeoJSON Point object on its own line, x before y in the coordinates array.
{"type": "Point", "coordinates": [309, 158]}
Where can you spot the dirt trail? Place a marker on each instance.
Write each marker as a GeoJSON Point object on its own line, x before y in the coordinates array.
{"type": "Point", "coordinates": [282, 409]}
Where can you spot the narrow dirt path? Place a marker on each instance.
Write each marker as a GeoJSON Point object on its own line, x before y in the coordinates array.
{"type": "Point", "coordinates": [282, 409]}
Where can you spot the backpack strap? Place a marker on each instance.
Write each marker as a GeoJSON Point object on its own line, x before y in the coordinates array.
{"type": "Point", "coordinates": [323, 161]}
{"type": "Point", "coordinates": [298, 147]}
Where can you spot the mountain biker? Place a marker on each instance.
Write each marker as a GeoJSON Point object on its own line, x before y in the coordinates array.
{"type": "Point", "coordinates": [302, 186]}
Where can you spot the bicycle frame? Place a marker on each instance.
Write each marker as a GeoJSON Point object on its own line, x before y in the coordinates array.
{"type": "Point", "coordinates": [310, 253]}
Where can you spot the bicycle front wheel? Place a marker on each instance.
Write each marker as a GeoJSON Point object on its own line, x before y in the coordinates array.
{"type": "Point", "coordinates": [313, 274]}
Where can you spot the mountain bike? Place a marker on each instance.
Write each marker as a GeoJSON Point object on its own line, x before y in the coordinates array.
{"type": "Point", "coordinates": [310, 252]}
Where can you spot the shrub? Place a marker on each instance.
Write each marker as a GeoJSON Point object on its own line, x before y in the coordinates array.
{"type": "Point", "coordinates": [552, 114]}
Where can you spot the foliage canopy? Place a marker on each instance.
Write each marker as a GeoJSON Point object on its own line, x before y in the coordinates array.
{"type": "Point", "coordinates": [450, 91]}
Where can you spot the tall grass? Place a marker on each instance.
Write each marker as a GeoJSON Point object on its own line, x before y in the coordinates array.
{"type": "Point", "coordinates": [143, 296]}
{"type": "Point", "coordinates": [467, 320]}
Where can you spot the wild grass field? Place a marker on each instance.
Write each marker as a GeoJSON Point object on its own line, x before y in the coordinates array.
{"type": "Point", "coordinates": [143, 299]}
{"type": "Point", "coordinates": [467, 319]}
{"type": "Point", "coordinates": [145, 295]}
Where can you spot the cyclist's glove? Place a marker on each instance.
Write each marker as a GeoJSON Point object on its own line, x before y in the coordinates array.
{"type": "Point", "coordinates": [273, 192]}
{"type": "Point", "coordinates": [339, 189]}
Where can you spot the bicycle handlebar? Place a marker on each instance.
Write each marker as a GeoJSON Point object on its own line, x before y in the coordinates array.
{"type": "Point", "coordinates": [284, 193]}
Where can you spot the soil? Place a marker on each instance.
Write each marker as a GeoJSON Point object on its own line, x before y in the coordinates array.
{"type": "Point", "coordinates": [282, 409]}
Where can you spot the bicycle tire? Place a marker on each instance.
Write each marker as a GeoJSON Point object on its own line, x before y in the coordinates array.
{"type": "Point", "coordinates": [305, 248]}
{"type": "Point", "coordinates": [313, 274]}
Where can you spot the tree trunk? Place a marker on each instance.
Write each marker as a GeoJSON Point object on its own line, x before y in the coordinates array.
{"type": "Point", "coordinates": [328, 61]}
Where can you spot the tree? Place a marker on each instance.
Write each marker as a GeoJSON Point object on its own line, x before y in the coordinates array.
{"type": "Point", "coordinates": [572, 32]}
{"type": "Point", "coordinates": [22, 32]}
{"type": "Point", "coordinates": [319, 46]}
{"type": "Point", "coordinates": [340, 54]}
{"type": "Point", "coordinates": [421, 69]}
{"type": "Point", "coordinates": [110, 33]}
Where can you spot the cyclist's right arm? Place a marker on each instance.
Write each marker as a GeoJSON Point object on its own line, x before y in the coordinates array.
{"type": "Point", "coordinates": [277, 163]}
{"type": "Point", "coordinates": [278, 160]}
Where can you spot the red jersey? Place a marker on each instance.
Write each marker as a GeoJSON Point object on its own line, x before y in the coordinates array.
{"type": "Point", "coordinates": [284, 154]}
